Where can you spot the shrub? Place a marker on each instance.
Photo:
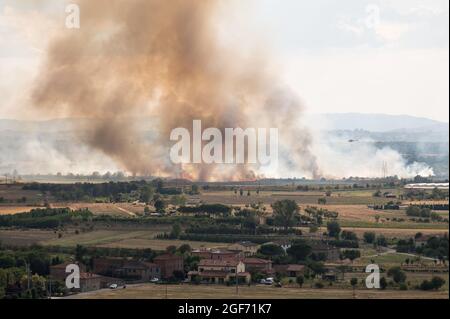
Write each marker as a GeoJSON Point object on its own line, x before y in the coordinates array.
{"type": "Point", "coordinates": [435, 284]}
{"type": "Point", "coordinates": [397, 275]}
{"type": "Point", "coordinates": [319, 285]}
{"type": "Point", "coordinates": [383, 283]}
{"type": "Point", "coordinates": [369, 237]}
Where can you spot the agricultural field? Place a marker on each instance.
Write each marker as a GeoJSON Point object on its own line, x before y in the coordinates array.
{"type": "Point", "coordinates": [388, 259]}
{"type": "Point", "coordinates": [10, 210]}
{"type": "Point", "coordinates": [351, 205]}
{"type": "Point", "coordinates": [117, 209]}
{"type": "Point", "coordinates": [25, 237]}
{"type": "Point", "coordinates": [140, 239]}
{"type": "Point", "coordinates": [159, 244]}
{"type": "Point", "coordinates": [149, 291]}
{"type": "Point", "coordinates": [302, 198]}
{"type": "Point", "coordinates": [11, 194]}
{"type": "Point", "coordinates": [396, 232]}
{"type": "Point", "coordinates": [97, 237]}
{"type": "Point", "coordinates": [117, 222]}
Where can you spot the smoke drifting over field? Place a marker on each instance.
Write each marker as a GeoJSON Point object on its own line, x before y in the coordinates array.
{"type": "Point", "coordinates": [164, 58]}
{"type": "Point", "coordinates": [338, 158]}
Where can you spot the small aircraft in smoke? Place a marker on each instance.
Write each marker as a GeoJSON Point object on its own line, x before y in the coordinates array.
{"type": "Point", "coordinates": [353, 141]}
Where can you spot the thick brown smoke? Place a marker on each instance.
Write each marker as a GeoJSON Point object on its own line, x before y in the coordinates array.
{"type": "Point", "coordinates": [134, 58]}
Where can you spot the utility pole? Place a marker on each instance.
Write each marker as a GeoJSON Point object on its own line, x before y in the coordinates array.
{"type": "Point", "coordinates": [237, 275]}
{"type": "Point", "coordinates": [384, 169]}
{"type": "Point", "coordinates": [237, 283]}
{"type": "Point", "coordinates": [27, 267]}
{"type": "Point", "coordinates": [50, 286]}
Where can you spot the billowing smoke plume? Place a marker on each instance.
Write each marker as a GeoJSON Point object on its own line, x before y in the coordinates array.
{"type": "Point", "coordinates": [164, 58]}
{"type": "Point", "coordinates": [341, 156]}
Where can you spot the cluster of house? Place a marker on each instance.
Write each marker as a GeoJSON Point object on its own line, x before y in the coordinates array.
{"type": "Point", "coordinates": [238, 261]}
{"type": "Point", "coordinates": [218, 266]}
{"type": "Point", "coordinates": [222, 266]}
{"type": "Point", "coordinates": [109, 271]}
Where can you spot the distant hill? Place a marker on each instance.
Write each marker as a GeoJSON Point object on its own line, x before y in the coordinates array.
{"type": "Point", "coordinates": [331, 121]}
{"type": "Point", "coordinates": [378, 122]}
{"type": "Point", "coordinates": [28, 145]}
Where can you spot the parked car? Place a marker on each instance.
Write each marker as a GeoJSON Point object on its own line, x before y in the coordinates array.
{"type": "Point", "coordinates": [113, 286]}
{"type": "Point", "coordinates": [154, 280]}
{"type": "Point", "coordinates": [267, 281]}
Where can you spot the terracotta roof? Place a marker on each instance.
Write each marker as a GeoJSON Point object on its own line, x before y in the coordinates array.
{"type": "Point", "coordinates": [256, 261]}
{"type": "Point", "coordinates": [139, 265]}
{"type": "Point", "coordinates": [295, 268]}
{"type": "Point", "coordinates": [64, 265]}
{"type": "Point", "coordinates": [243, 274]}
{"type": "Point", "coordinates": [167, 257]}
{"type": "Point", "coordinates": [211, 273]}
{"type": "Point", "coordinates": [88, 275]}
{"type": "Point", "coordinates": [223, 274]}
{"type": "Point", "coordinates": [424, 238]}
{"type": "Point", "coordinates": [220, 263]}
{"type": "Point", "coordinates": [201, 250]}
{"type": "Point", "coordinates": [60, 266]}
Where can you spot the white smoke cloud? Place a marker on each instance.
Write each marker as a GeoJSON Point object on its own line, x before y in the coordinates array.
{"type": "Point", "coordinates": [339, 157]}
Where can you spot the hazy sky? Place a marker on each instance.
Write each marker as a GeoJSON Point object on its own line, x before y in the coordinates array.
{"type": "Point", "coordinates": [379, 56]}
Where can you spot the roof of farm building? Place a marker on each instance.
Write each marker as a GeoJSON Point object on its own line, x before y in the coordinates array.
{"type": "Point", "coordinates": [219, 262]}
{"type": "Point", "coordinates": [167, 257]}
{"type": "Point", "coordinates": [256, 261]}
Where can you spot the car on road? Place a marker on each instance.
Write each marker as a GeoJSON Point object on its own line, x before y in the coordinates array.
{"type": "Point", "coordinates": [113, 286]}
{"type": "Point", "coordinates": [267, 281]}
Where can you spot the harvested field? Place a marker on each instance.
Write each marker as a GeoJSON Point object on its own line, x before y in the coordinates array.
{"type": "Point", "coordinates": [15, 192]}
{"type": "Point", "coordinates": [350, 212]}
{"type": "Point", "coordinates": [395, 232]}
{"type": "Point", "coordinates": [306, 198]}
{"type": "Point", "coordinates": [121, 209]}
{"type": "Point", "coordinates": [137, 239]}
{"type": "Point", "coordinates": [156, 244]}
{"type": "Point", "coordinates": [391, 259]}
{"type": "Point", "coordinates": [149, 291]}
{"type": "Point", "coordinates": [25, 237]}
{"type": "Point", "coordinates": [426, 202]}
{"type": "Point", "coordinates": [10, 210]}
{"type": "Point", "coordinates": [395, 225]}
{"type": "Point", "coordinates": [99, 237]}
